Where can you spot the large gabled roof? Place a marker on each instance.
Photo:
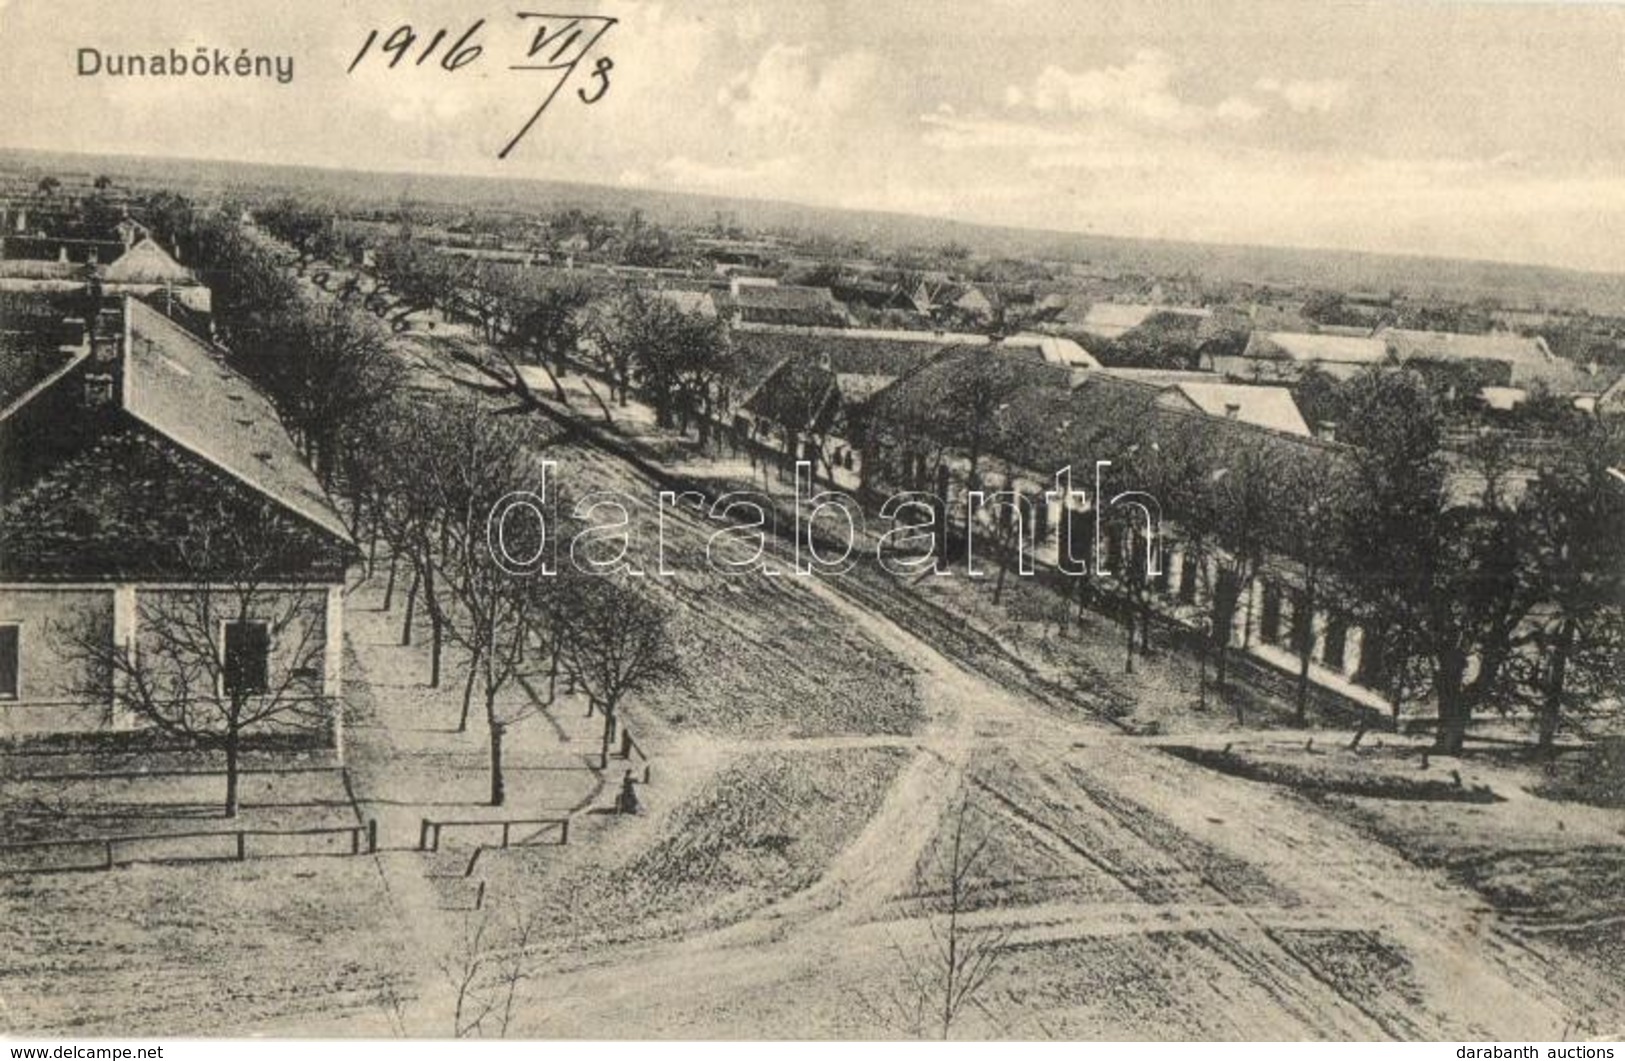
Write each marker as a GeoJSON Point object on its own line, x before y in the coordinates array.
{"type": "Point", "coordinates": [1111, 319]}
{"type": "Point", "coordinates": [1047, 419]}
{"type": "Point", "coordinates": [132, 505]}
{"type": "Point", "coordinates": [177, 384]}
{"type": "Point", "coordinates": [26, 370]}
{"type": "Point", "coordinates": [759, 349]}
{"type": "Point", "coordinates": [1270, 407]}
{"type": "Point", "coordinates": [147, 263]}
{"type": "Point", "coordinates": [800, 393]}
{"type": "Point", "coordinates": [1312, 347]}
{"type": "Point", "coordinates": [1407, 343]}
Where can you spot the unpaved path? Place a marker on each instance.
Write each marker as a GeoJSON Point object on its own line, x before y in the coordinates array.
{"type": "Point", "coordinates": [1271, 917]}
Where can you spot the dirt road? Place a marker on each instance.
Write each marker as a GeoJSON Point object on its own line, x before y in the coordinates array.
{"type": "Point", "coordinates": [1143, 896]}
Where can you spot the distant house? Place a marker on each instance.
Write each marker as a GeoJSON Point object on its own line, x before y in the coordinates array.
{"type": "Point", "coordinates": [1524, 359]}
{"type": "Point", "coordinates": [1109, 320]}
{"type": "Point", "coordinates": [1283, 356]}
{"type": "Point", "coordinates": [1270, 407]}
{"type": "Point", "coordinates": [975, 304]}
{"type": "Point", "coordinates": [872, 294]}
{"type": "Point", "coordinates": [1045, 421]}
{"type": "Point", "coordinates": [798, 385]}
{"type": "Point", "coordinates": [1053, 349]}
{"type": "Point", "coordinates": [784, 304]}
{"type": "Point", "coordinates": [131, 264]}
{"type": "Point", "coordinates": [133, 465]}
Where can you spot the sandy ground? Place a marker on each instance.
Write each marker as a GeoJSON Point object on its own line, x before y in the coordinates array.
{"type": "Point", "coordinates": [783, 879]}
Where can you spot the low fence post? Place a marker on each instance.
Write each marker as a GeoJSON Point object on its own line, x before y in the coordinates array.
{"type": "Point", "coordinates": [505, 826]}
{"type": "Point", "coordinates": [108, 844]}
{"type": "Point", "coordinates": [355, 840]}
{"type": "Point", "coordinates": [564, 831]}
{"type": "Point", "coordinates": [372, 836]}
{"type": "Point", "coordinates": [648, 769]}
{"type": "Point", "coordinates": [626, 743]}
{"type": "Point", "coordinates": [423, 836]}
{"type": "Point", "coordinates": [242, 845]}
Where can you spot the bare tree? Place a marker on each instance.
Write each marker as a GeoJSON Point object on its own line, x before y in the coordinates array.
{"type": "Point", "coordinates": [939, 983]}
{"type": "Point", "coordinates": [234, 649]}
{"type": "Point", "coordinates": [504, 620]}
{"type": "Point", "coordinates": [486, 969]}
{"type": "Point", "coordinates": [616, 643]}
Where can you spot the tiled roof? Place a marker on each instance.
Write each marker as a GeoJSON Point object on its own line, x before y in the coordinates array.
{"type": "Point", "coordinates": [799, 393]}
{"type": "Point", "coordinates": [851, 351]}
{"type": "Point", "coordinates": [1270, 407]}
{"type": "Point", "coordinates": [1311, 347]}
{"type": "Point", "coordinates": [147, 263]}
{"type": "Point", "coordinates": [27, 368]}
{"type": "Point", "coordinates": [786, 304]}
{"type": "Point", "coordinates": [134, 505]}
{"type": "Point", "coordinates": [51, 248]}
{"type": "Point", "coordinates": [178, 385]}
{"type": "Point", "coordinates": [1044, 421]}
{"type": "Point", "coordinates": [1448, 346]}
{"type": "Point", "coordinates": [1111, 319]}
{"type": "Point", "coordinates": [38, 269]}
{"type": "Point", "coordinates": [932, 400]}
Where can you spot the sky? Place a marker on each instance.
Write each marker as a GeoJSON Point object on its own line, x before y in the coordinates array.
{"type": "Point", "coordinates": [1481, 130]}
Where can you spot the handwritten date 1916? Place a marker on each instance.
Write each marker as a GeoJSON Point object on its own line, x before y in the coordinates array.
{"type": "Point", "coordinates": [557, 44]}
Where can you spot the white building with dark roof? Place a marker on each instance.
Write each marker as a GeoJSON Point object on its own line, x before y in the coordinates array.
{"type": "Point", "coordinates": [139, 469]}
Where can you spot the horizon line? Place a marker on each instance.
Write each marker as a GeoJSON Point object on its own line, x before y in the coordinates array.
{"type": "Point", "coordinates": [858, 211]}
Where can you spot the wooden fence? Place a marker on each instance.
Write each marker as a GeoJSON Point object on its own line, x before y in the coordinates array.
{"type": "Point", "coordinates": [429, 834]}
{"type": "Point", "coordinates": [218, 845]}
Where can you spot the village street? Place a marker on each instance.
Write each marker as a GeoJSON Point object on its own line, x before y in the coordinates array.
{"type": "Point", "coordinates": [1143, 895]}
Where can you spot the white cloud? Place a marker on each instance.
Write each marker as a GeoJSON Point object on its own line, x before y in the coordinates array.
{"type": "Point", "coordinates": [1140, 88]}
{"type": "Point", "coordinates": [1320, 96]}
{"type": "Point", "coordinates": [1140, 91]}
{"type": "Point", "coordinates": [788, 93]}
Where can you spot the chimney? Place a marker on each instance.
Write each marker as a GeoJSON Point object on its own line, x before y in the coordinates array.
{"type": "Point", "coordinates": [107, 337]}
{"type": "Point", "coordinates": [99, 389]}
{"type": "Point", "coordinates": [1326, 430]}
{"type": "Point", "coordinates": [1232, 410]}
{"type": "Point", "coordinates": [76, 336]}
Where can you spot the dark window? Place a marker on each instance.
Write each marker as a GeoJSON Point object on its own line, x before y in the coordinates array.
{"type": "Point", "coordinates": [1337, 635]}
{"type": "Point", "coordinates": [1373, 672]}
{"type": "Point", "coordinates": [1269, 623]}
{"type": "Point", "coordinates": [10, 661]}
{"type": "Point", "coordinates": [1301, 616]}
{"type": "Point", "coordinates": [248, 654]}
{"type": "Point", "coordinates": [1190, 567]}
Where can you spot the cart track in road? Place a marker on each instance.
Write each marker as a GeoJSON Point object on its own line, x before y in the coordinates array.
{"type": "Point", "coordinates": [1302, 925]}
{"type": "Point", "coordinates": [1365, 901]}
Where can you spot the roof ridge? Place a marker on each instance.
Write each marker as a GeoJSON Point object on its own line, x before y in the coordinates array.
{"type": "Point", "coordinates": [329, 521]}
